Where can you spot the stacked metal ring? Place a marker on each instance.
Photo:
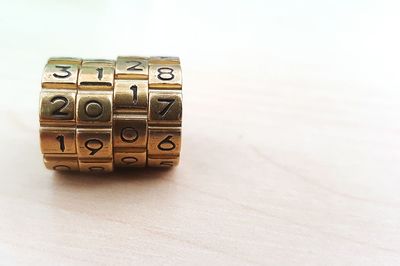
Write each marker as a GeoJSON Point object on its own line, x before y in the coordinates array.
{"type": "Point", "coordinates": [97, 114]}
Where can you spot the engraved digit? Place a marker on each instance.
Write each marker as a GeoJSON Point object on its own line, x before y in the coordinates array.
{"type": "Point", "coordinates": [165, 73]}
{"type": "Point", "coordinates": [63, 69]}
{"type": "Point", "coordinates": [99, 73]}
{"type": "Point", "coordinates": [129, 134]}
{"type": "Point", "coordinates": [166, 144]}
{"type": "Point", "coordinates": [58, 110]}
{"type": "Point", "coordinates": [167, 163]}
{"type": "Point", "coordinates": [134, 93]}
{"type": "Point", "coordinates": [61, 168]}
{"type": "Point", "coordinates": [93, 145]}
{"type": "Point", "coordinates": [135, 66]}
{"type": "Point", "coordinates": [169, 102]}
{"type": "Point", "coordinates": [93, 109]}
{"type": "Point", "coordinates": [96, 168]}
{"type": "Point", "coordinates": [129, 160]}
{"type": "Point", "coordinates": [60, 138]}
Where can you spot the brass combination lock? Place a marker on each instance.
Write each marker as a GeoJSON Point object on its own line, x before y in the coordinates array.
{"type": "Point", "coordinates": [97, 114]}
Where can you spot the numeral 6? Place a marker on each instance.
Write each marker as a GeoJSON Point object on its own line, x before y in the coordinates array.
{"type": "Point", "coordinates": [166, 144]}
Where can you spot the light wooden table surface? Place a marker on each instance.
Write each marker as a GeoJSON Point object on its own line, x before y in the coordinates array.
{"type": "Point", "coordinates": [291, 141]}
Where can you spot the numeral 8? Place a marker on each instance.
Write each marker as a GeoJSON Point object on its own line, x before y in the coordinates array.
{"type": "Point", "coordinates": [165, 73]}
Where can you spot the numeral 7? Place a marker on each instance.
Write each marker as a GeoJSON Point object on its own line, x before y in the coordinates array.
{"type": "Point", "coordinates": [169, 103]}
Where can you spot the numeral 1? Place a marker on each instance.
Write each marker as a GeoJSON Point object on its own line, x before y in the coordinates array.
{"type": "Point", "coordinates": [99, 73]}
{"type": "Point", "coordinates": [60, 139]}
{"type": "Point", "coordinates": [134, 89]}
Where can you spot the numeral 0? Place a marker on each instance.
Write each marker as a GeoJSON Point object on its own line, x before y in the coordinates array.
{"type": "Point", "coordinates": [129, 134]}
{"type": "Point", "coordinates": [167, 163]}
{"type": "Point", "coordinates": [62, 168]}
{"type": "Point", "coordinates": [96, 169]}
{"type": "Point", "coordinates": [129, 160]}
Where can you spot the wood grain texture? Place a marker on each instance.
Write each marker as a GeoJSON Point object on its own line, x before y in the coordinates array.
{"type": "Point", "coordinates": [291, 145]}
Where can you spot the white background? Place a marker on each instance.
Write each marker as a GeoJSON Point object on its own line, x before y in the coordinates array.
{"type": "Point", "coordinates": [268, 41]}
{"type": "Point", "coordinates": [291, 141]}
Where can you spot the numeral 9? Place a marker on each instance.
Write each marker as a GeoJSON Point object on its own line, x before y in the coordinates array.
{"type": "Point", "coordinates": [93, 145]}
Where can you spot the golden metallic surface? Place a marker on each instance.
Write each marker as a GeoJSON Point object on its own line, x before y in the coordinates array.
{"type": "Point", "coordinates": [166, 162]}
{"type": "Point", "coordinates": [60, 75]}
{"type": "Point", "coordinates": [94, 108]}
{"type": "Point", "coordinates": [164, 141]}
{"type": "Point", "coordinates": [130, 158]}
{"type": "Point", "coordinates": [94, 143]}
{"type": "Point", "coordinates": [57, 140]}
{"type": "Point", "coordinates": [60, 162]}
{"type": "Point", "coordinates": [96, 166]}
{"type": "Point", "coordinates": [131, 96]}
{"type": "Point", "coordinates": [96, 77]}
{"type": "Point", "coordinates": [171, 60]}
{"type": "Point", "coordinates": [57, 107]}
{"type": "Point", "coordinates": [130, 131]}
{"type": "Point", "coordinates": [98, 62]}
{"type": "Point", "coordinates": [65, 60]}
{"type": "Point", "coordinates": [165, 76]}
{"type": "Point", "coordinates": [165, 107]}
{"type": "Point", "coordinates": [96, 113]}
{"type": "Point", "coordinates": [132, 67]}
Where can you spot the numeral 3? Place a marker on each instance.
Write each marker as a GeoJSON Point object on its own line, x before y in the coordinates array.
{"type": "Point", "coordinates": [65, 72]}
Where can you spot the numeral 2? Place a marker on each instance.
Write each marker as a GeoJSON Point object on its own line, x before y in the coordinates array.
{"type": "Point", "coordinates": [58, 111]}
{"type": "Point", "coordinates": [135, 66]}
